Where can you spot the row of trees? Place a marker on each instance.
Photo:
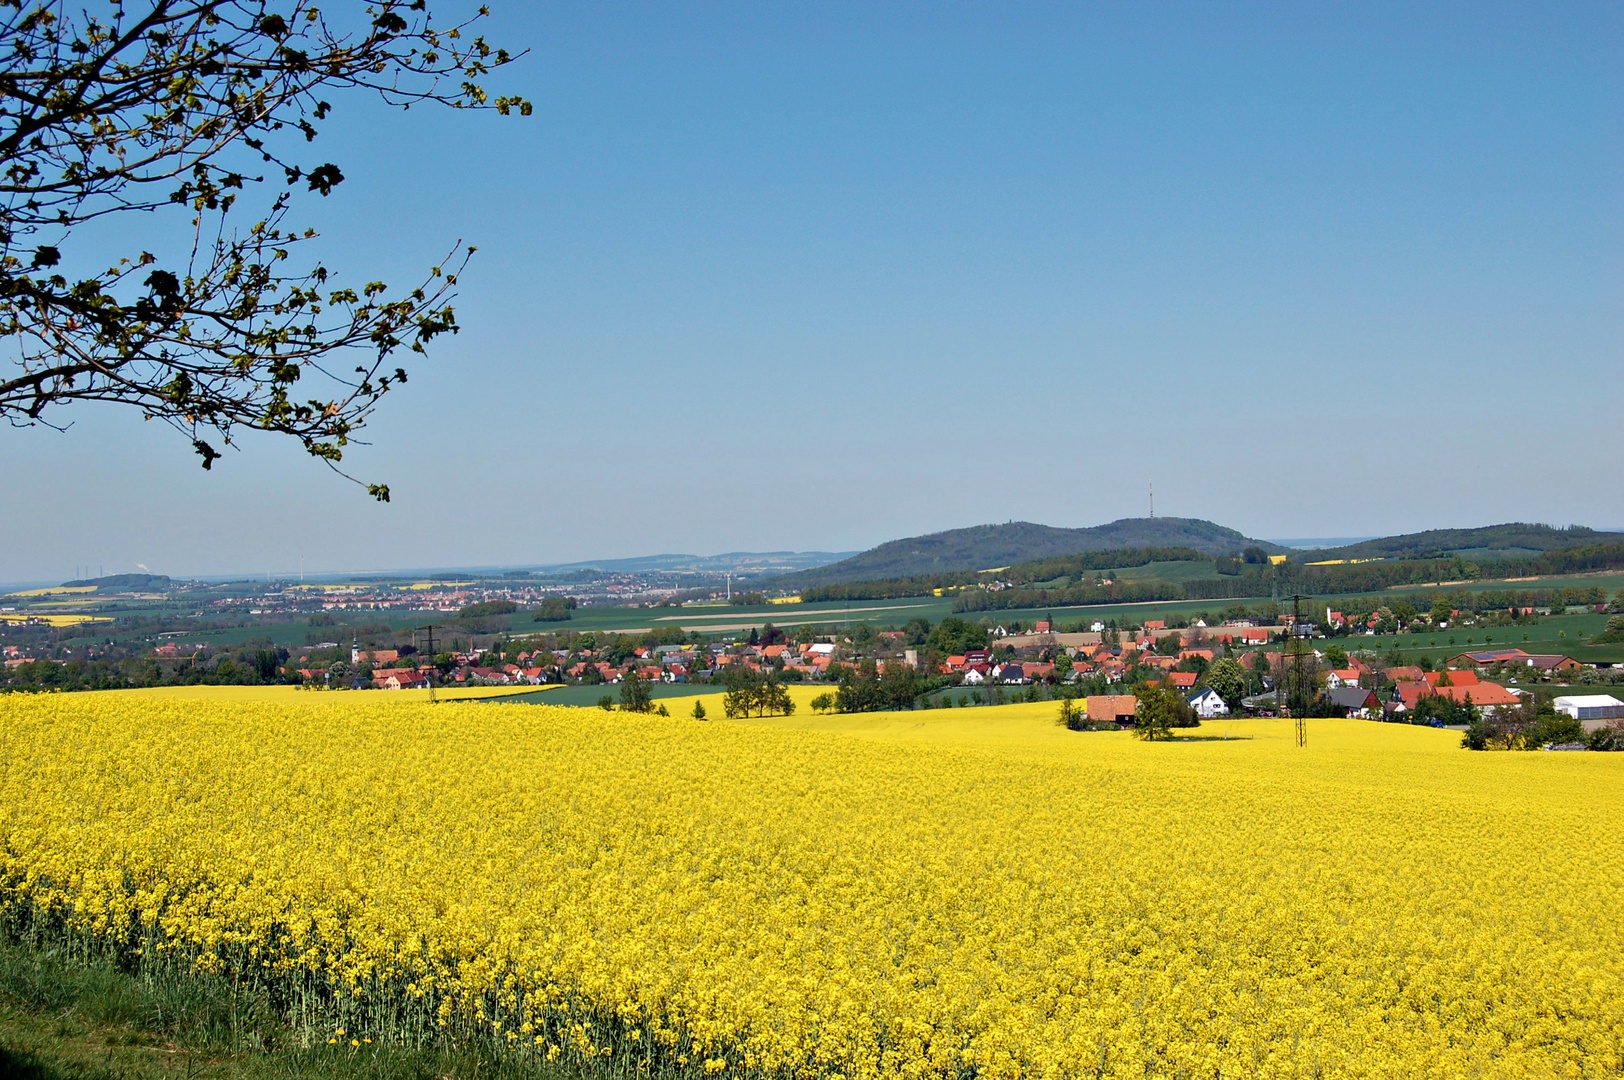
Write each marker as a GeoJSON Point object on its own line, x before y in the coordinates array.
{"type": "Point", "coordinates": [246, 665]}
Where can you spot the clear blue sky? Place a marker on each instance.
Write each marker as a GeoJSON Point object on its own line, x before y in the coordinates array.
{"type": "Point", "coordinates": [766, 277]}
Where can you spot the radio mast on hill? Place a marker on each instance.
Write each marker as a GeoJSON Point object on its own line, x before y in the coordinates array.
{"type": "Point", "coordinates": [1153, 497]}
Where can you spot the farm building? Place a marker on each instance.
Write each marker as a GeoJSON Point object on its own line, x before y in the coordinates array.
{"type": "Point", "coordinates": [1591, 707]}
{"type": "Point", "coordinates": [1119, 708]}
{"type": "Point", "coordinates": [1539, 661]}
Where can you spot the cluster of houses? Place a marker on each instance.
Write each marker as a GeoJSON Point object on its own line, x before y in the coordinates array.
{"type": "Point", "coordinates": [1353, 689]}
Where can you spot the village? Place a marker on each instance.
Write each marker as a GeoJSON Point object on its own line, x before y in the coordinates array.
{"type": "Point", "coordinates": [1231, 669]}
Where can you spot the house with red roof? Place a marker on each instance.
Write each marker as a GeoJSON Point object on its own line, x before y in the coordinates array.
{"type": "Point", "coordinates": [1486, 696]}
{"type": "Point", "coordinates": [1337, 678]}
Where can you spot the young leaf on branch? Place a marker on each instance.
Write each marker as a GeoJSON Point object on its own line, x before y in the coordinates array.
{"type": "Point", "coordinates": [171, 108]}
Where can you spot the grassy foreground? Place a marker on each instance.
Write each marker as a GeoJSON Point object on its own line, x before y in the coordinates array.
{"type": "Point", "coordinates": [65, 1018]}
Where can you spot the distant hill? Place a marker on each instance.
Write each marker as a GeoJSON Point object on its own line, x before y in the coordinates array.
{"type": "Point", "coordinates": [1517, 538]}
{"type": "Point", "coordinates": [122, 581]}
{"type": "Point", "coordinates": [983, 547]}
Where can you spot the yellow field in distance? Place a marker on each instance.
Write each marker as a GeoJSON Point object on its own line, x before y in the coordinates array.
{"type": "Point", "coordinates": [54, 620]}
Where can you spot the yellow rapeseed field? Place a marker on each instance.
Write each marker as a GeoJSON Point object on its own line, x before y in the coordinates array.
{"type": "Point", "coordinates": [54, 619]}
{"type": "Point", "coordinates": [315, 695]}
{"type": "Point", "coordinates": [945, 894]}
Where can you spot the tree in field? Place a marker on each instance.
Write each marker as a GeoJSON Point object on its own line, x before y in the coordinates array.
{"type": "Point", "coordinates": [635, 695]}
{"type": "Point", "coordinates": [1160, 711]}
{"type": "Point", "coordinates": [1154, 717]}
{"type": "Point", "coordinates": [699, 710]}
{"type": "Point", "coordinates": [859, 689]}
{"type": "Point", "coordinates": [1071, 716]}
{"type": "Point", "coordinates": [176, 111]}
{"type": "Point", "coordinates": [1228, 679]}
{"type": "Point", "coordinates": [899, 686]}
{"type": "Point", "coordinates": [1613, 632]}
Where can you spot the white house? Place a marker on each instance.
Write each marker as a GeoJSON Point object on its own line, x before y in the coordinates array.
{"type": "Point", "coordinates": [1207, 704]}
{"type": "Point", "coordinates": [1335, 679]}
{"type": "Point", "coordinates": [972, 677]}
{"type": "Point", "coordinates": [1096, 626]}
{"type": "Point", "coordinates": [1011, 672]}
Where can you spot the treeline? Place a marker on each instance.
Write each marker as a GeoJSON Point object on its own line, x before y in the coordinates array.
{"type": "Point", "coordinates": [1019, 574]}
{"type": "Point", "coordinates": [248, 666]}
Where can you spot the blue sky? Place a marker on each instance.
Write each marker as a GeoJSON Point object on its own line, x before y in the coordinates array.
{"type": "Point", "coordinates": [768, 277]}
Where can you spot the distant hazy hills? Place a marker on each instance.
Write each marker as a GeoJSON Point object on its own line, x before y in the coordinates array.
{"type": "Point", "coordinates": [986, 546]}
{"type": "Point", "coordinates": [1489, 542]}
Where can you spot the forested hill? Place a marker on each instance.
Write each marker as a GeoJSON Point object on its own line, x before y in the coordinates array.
{"type": "Point", "coordinates": [985, 546]}
{"type": "Point", "coordinates": [121, 581]}
{"type": "Point", "coordinates": [1490, 542]}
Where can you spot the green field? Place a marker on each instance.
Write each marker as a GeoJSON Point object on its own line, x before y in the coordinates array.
{"type": "Point", "coordinates": [588, 695]}
{"type": "Point", "coordinates": [1167, 571]}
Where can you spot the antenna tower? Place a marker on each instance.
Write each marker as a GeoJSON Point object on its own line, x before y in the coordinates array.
{"type": "Point", "coordinates": [1153, 499]}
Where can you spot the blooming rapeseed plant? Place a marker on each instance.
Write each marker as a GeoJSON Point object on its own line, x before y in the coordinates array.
{"type": "Point", "coordinates": [762, 901]}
